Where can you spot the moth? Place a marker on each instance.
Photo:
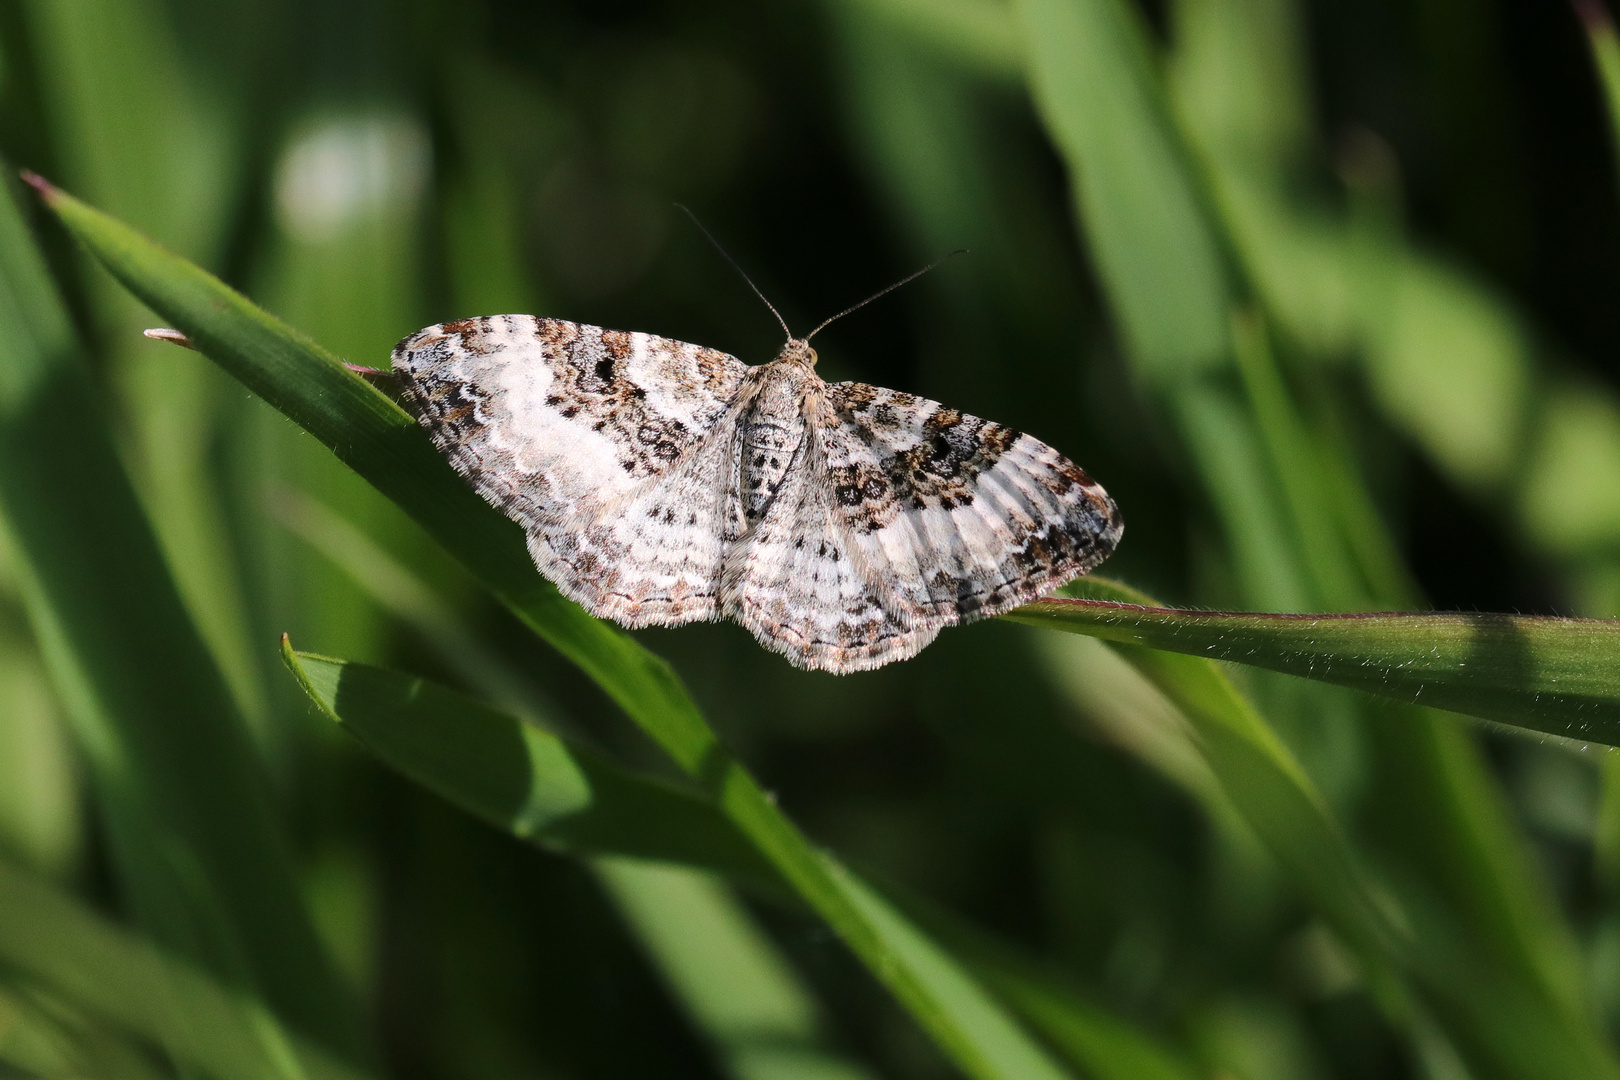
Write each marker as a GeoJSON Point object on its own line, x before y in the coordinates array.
{"type": "Point", "coordinates": [663, 483]}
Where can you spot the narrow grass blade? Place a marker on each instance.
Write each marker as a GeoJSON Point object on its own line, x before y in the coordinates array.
{"type": "Point", "coordinates": [57, 943]}
{"type": "Point", "coordinates": [1100, 1044]}
{"type": "Point", "coordinates": [535, 786]}
{"type": "Point", "coordinates": [1605, 46]}
{"type": "Point", "coordinates": [1494, 991]}
{"type": "Point", "coordinates": [978, 34]}
{"type": "Point", "coordinates": [521, 779]}
{"type": "Point", "coordinates": [738, 988]}
{"type": "Point", "coordinates": [378, 440]}
{"type": "Point", "coordinates": [1560, 676]}
{"type": "Point", "coordinates": [1159, 261]}
{"type": "Point", "coordinates": [198, 853]}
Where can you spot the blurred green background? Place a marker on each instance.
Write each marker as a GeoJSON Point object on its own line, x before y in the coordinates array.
{"type": "Point", "coordinates": [1324, 292]}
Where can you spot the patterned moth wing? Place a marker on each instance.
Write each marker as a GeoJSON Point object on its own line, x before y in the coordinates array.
{"type": "Point", "coordinates": [962, 518]}
{"type": "Point", "coordinates": [902, 517]}
{"type": "Point", "coordinates": [802, 585]}
{"type": "Point", "coordinates": [615, 451]}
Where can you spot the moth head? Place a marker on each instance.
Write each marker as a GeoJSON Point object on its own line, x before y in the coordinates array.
{"type": "Point", "coordinates": [798, 351]}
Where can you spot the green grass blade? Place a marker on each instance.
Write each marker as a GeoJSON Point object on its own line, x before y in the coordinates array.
{"type": "Point", "coordinates": [1492, 989]}
{"type": "Point", "coordinates": [539, 788]}
{"type": "Point", "coordinates": [735, 983]}
{"type": "Point", "coordinates": [736, 987]}
{"type": "Point", "coordinates": [198, 853]}
{"type": "Point", "coordinates": [1560, 676]}
{"type": "Point", "coordinates": [521, 779]}
{"type": "Point", "coordinates": [56, 942]}
{"type": "Point", "coordinates": [1605, 45]}
{"type": "Point", "coordinates": [380, 441]}
{"type": "Point", "coordinates": [1159, 262]}
{"type": "Point", "coordinates": [663, 903]}
{"type": "Point", "coordinates": [978, 34]}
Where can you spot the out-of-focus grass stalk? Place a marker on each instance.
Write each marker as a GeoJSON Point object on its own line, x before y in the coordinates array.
{"type": "Point", "coordinates": [141, 988]}
{"type": "Point", "coordinates": [733, 982]}
{"type": "Point", "coordinates": [1604, 43]}
{"type": "Point", "coordinates": [1155, 236]}
{"type": "Point", "coordinates": [199, 857]}
{"type": "Point", "coordinates": [1605, 46]}
{"type": "Point", "coordinates": [143, 130]}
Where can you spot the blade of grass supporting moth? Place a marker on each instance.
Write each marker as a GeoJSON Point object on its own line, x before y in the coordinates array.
{"type": "Point", "coordinates": [60, 945]}
{"type": "Point", "coordinates": [736, 987]}
{"type": "Point", "coordinates": [664, 902]}
{"type": "Point", "coordinates": [380, 441]}
{"type": "Point", "coordinates": [197, 851]}
{"type": "Point", "coordinates": [1495, 997]}
{"type": "Point", "coordinates": [534, 785]}
{"type": "Point", "coordinates": [1559, 676]}
{"type": "Point", "coordinates": [376, 438]}
{"type": "Point", "coordinates": [1100, 99]}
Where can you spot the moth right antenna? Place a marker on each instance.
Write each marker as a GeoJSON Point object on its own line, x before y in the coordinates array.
{"type": "Point", "coordinates": [744, 274]}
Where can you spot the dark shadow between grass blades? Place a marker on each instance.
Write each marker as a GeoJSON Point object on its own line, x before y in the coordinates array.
{"type": "Point", "coordinates": [1560, 676]}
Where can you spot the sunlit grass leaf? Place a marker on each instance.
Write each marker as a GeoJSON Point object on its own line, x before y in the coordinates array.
{"type": "Point", "coordinates": [380, 441]}
{"type": "Point", "coordinates": [978, 33]}
{"type": "Point", "coordinates": [376, 438]}
{"type": "Point", "coordinates": [198, 853]}
{"type": "Point", "coordinates": [1159, 261]}
{"type": "Point", "coordinates": [59, 945]}
{"type": "Point", "coordinates": [1560, 676]}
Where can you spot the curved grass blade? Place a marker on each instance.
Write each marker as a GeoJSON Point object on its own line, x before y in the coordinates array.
{"type": "Point", "coordinates": [55, 942]}
{"type": "Point", "coordinates": [198, 853]}
{"type": "Point", "coordinates": [1504, 1009]}
{"type": "Point", "coordinates": [376, 438]}
{"type": "Point", "coordinates": [735, 985]}
{"type": "Point", "coordinates": [380, 441]}
{"type": "Point", "coordinates": [521, 779]}
{"type": "Point", "coordinates": [541, 789]}
{"type": "Point", "coordinates": [1560, 676]}
{"type": "Point", "coordinates": [757, 1038]}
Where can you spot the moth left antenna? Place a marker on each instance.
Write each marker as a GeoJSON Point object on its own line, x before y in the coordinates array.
{"type": "Point", "coordinates": [743, 273]}
{"type": "Point", "coordinates": [908, 279]}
